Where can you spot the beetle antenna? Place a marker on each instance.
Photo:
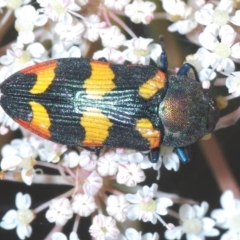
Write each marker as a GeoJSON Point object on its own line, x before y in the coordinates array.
{"type": "Point", "coordinates": [163, 62]}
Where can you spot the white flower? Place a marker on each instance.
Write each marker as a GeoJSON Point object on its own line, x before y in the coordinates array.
{"type": "Point", "coordinates": [132, 234]}
{"type": "Point", "coordinates": [69, 30]}
{"type": "Point", "coordinates": [221, 50]}
{"type": "Point", "coordinates": [93, 25]}
{"type": "Point", "coordinates": [116, 4]}
{"type": "Point", "coordinates": [103, 227]}
{"type": "Point", "coordinates": [51, 152]}
{"type": "Point", "coordinates": [13, 4]}
{"type": "Point", "coordinates": [58, 9]}
{"type": "Point", "coordinates": [92, 184]}
{"type": "Point", "coordinates": [106, 166]}
{"type": "Point", "coordinates": [86, 159]}
{"type": "Point", "coordinates": [201, 61]}
{"type": "Point", "coordinates": [236, 18]}
{"type": "Point", "coordinates": [229, 216]}
{"type": "Point", "coordinates": [83, 204]}
{"type": "Point", "coordinates": [26, 18]}
{"type": "Point", "coordinates": [110, 54]}
{"type": "Point", "coordinates": [21, 218]}
{"type": "Point", "coordinates": [193, 224]}
{"type": "Point", "coordinates": [6, 121]}
{"type": "Point", "coordinates": [144, 207]}
{"type": "Point", "coordinates": [140, 11]}
{"type": "Point", "coordinates": [130, 174]}
{"type": "Point", "coordinates": [219, 16]}
{"type": "Point", "coordinates": [170, 159]}
{"type": "Point", "coordinates": [112, 37]}
{"type": "Point", "coordinates": [128, 156]}
{"type": "Point", "coordinates": [19, 154]}
{"type": "Point", "coordinates": [140, 51]}
{"type": "Point", "coordinates": [59, 211]}
{"type": "Point", "coordinates": [181, 14]}
{"type": "Point", "coordinates": [233, 83]}
{"type": "Point", "coordinates": [17, 58]}
{"type": "Point", "coordinates": [117, 207]}
{"type": "Point", "coordinates": [60, 50]}
{"type": "Point", "coordinates": [61, 236]}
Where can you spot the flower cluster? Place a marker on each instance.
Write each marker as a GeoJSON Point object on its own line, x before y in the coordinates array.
{"type": "Point", "coordinates": [106, 187]}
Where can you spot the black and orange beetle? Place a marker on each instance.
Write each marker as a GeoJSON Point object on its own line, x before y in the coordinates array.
{"type": "Point", "coordinates": [89, 103]}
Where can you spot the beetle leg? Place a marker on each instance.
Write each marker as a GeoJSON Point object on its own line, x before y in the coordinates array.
{"type": "Point", "coordinates": [184, 71]}
{"type": "Point", "coordinates": [154, 154]}
{"type": "Point", "coordinates": [103, 59]}
{"type": "Point", "coordinates": [97, 150]}
{"type": "Point", "coordinates": [163, 62]}
{"type": "Point", "coordinates": [184, 153]}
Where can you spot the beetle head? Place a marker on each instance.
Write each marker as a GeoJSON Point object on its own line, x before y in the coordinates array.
{"type": "Point", "coordinates": [187, 112]}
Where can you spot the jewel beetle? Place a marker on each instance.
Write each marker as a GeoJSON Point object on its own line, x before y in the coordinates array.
{"type": "Point", "coordinates": [94, 103]}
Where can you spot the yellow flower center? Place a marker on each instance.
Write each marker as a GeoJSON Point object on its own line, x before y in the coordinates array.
{"type": "Point", "coordinates": [58, 7]}
{"type": "Point", "coordinates": [192, 226]}
{"type": "Point", "coordinates": [25, 216]}
{"type": "Point", "coordinates": [222, 50]}
{"type": "Point", "coordinates": [148, 205]}
{"type": "Point", "coordinates": [220, 17]}
{"type": "Point", "coordinates": [23, 59]}
{"type": "Point", "coordinates": [141, 52]}
{"type": "Point", "coordinates": [13, 4]}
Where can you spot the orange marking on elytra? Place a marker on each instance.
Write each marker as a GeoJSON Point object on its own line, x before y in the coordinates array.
{"type": "Point", "coordinates": [145, 127]}
{"type": "Point", "coordinates": [45, 72]}
{"type": "Point", "coordinates": [40, 122]}
{"type": "Point", "coordinates": [101, 80]}
{"type": "Point", "coordinates": [152, 85]}
{"type": "Point", "coordinates": [96, 126]}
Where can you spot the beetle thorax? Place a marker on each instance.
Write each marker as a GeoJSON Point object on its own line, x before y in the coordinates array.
{"type": "Point", "coordinates": [183, 111]}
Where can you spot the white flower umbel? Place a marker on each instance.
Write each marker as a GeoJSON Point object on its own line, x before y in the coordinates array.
{"type": "Point", "coordinates": [140, 12]}
{"type": "Point", "coordinates": [181, 14]}
{"type": "Point", "coordinates": [13, 4]}
{"type": "Point", "coordinates": [144, 207]}
{"type": "Point", "coordinates": [141, 50]}
{"type": "Point", "coordinates": [228, 217]}
{"type": "Point", "coordinates": [20, 218]}
{"type": "Point", "coordinates": [221, 50]}
{"type": "Point", "coordinates": [193, 224]}
{"type": "Point", "coordinates": [59, 211]}
{"type": "Point", "coordinates": [117, 207]}
{"type": "Point", "coordinates": [103, 227]}
{"type": "Point", "coordinates": [132, 234]}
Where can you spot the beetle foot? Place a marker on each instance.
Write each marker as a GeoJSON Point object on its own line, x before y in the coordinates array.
{"type": "Point", "coordinates": [184, 153]}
